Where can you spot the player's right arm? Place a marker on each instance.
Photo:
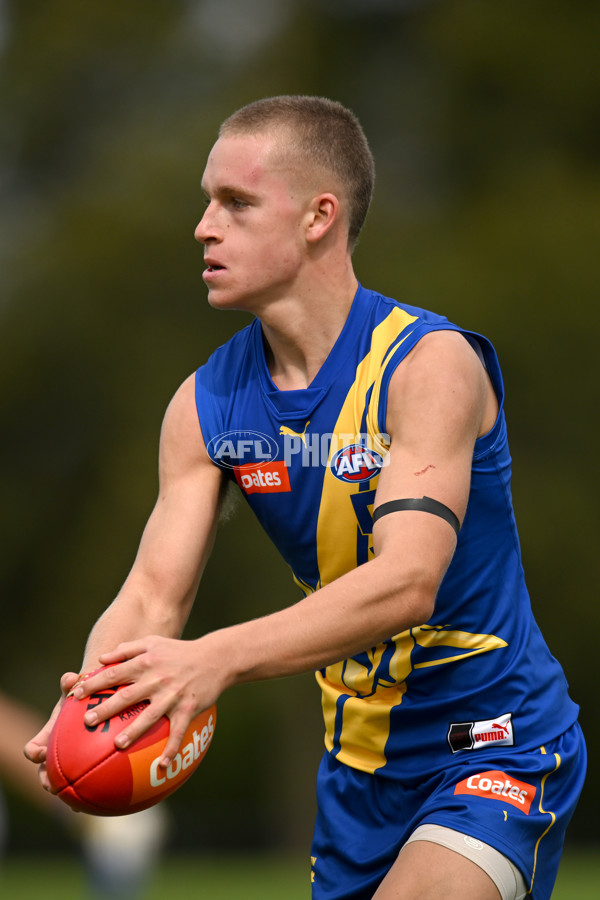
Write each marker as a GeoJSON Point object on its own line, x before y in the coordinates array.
{"type": "Point", "coordinates": [159, 591]}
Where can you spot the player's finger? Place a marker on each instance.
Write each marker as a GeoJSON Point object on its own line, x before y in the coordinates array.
{"type": "Point", "coordinates": [35, 749]}
{"type": "Point", "coordinates": [103, 704]}
{"type": "Point", "coordinates": [67, 681]}
{"type": "Point", "coordinates": [44, 781]}
{"type": "Point", "coordinates": [124, 651]}
{"type": "Point", "coordinates": [119, 666]}
{"type": "Point", "coordinates": [138, 726]}
{"type": "Point", "coordinates": [177, 732]}
{"type": "Point", "coordinates": [91, 682]}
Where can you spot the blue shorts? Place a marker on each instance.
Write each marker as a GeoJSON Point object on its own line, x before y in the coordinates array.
{"type": "Point", "coordinates": [518, 802]}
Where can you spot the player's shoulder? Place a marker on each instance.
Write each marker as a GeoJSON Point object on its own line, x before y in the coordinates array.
{"type": "Point", "coordinates": [443, 362]}
{"type": "Point", "coordinates": [442, 346]}
{"type": "Point", "coordinates": [180, 416]}
{"type": "Point", "coordinates": [417, 313]}
{"type": "Point", "coordinates": [182, 445]}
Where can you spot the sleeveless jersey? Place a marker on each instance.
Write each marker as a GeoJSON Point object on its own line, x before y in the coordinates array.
{"type": "Point", "coordinates": [478, 674]}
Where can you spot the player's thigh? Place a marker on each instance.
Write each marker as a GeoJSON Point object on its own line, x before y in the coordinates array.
{"type": "Point", "coordinates": [427, 871]}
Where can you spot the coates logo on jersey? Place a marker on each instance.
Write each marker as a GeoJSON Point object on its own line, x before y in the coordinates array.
{"type": "Point", "coordinates": [270, 478]}
{"type": "Point", "coordinates": [494, 785]}
{"type": "Point", "coordinates": [356, 463]}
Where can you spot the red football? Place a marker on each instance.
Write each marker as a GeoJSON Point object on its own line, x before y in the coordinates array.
{"type": "Point", "coordinates": [91, 775]}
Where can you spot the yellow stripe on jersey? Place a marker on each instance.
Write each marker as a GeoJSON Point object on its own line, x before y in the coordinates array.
{"type": "Point", "coordinates": [337, 554]}
{"type": "Point", "coordinates": [428, 636]}
{"type": "Point", "coordinates": [358, 694]}
{"type": "Point", "coordinates": [303, 585]}
{"type": "Point", "coordinates": [361, 727]}
{"type": "Point", "coordinates": [365, 723]}
{"type": "Point", "coordinates": [336, 526]}
{"type": "Point", "coordinates": [373, 423]}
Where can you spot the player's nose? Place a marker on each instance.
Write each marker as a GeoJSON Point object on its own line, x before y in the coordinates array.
{"type": "Point", "coordinates": [206, 228]}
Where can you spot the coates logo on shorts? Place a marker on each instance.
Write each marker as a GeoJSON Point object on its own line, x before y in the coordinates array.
{"type": "Point", "coordinates": [356, 463]}
{"type": "Point", "coordinates": [495, 785]}
{"type": "Point", "coordinates": [496, 732]}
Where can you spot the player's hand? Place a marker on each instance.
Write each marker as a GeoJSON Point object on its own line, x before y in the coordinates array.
{"type": "Point", "coordinates": [36, 749]}
{"type": "Point", "coordinates": [179, 678]}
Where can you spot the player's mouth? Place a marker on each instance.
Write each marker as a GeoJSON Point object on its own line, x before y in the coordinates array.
{"type": "Point", "coordinates": [212, 270]}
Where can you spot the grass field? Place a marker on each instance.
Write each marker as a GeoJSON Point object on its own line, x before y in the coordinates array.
{"type": "Point", "coordinates": [233, 878]}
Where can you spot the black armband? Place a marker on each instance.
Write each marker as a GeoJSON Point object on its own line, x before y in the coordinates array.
{"type": "Point", "coordinates": [425, 504]}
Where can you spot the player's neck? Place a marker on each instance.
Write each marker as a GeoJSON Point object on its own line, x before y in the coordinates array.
{"type": "Point", "coordinates": [300, 333]}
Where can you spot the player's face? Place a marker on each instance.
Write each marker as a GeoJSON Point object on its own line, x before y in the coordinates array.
{"type": "Point", "coordinates": [253, 227]}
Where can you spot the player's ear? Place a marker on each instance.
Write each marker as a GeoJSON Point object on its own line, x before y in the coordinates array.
{"type": "Point", "coordinates": [324, 212]}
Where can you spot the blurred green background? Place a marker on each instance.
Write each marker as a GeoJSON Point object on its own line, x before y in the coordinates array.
{"type": "Point", "coordinates": [484, 119]}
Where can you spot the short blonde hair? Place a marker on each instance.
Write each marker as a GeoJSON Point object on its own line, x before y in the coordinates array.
{"type": "Point", "coordinates": [325, 134]}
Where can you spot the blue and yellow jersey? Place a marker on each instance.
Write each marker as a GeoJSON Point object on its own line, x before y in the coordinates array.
{"type": "Point", "coordinates": [478, 674]}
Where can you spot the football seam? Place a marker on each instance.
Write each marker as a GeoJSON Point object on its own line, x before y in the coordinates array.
{"type": "Point", "coordinates": [74, 783]}
{"type": "Point", "coordinates": [85, 772]}
{"type": "Point", "coordinates": [85, 801]}
{"type": "Point", "coordinates": [58, 764]}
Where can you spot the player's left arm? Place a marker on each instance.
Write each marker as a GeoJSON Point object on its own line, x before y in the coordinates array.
{"type": "Point", "coordinates": [440, 401]}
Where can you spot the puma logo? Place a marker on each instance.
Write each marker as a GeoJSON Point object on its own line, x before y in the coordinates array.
{"type": "Point", "coordinates": [301, 434]}
{"type": "Point", "coordinates": [503, 728]}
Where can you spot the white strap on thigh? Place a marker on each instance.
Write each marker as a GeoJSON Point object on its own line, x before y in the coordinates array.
{"type": "Point", "coordinates": [501, 870]}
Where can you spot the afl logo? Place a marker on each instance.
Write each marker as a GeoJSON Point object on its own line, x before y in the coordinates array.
{"type": "Point", "coordinates": [356, 463]}
{"type": "Point", "coordinates": [248, 448]}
